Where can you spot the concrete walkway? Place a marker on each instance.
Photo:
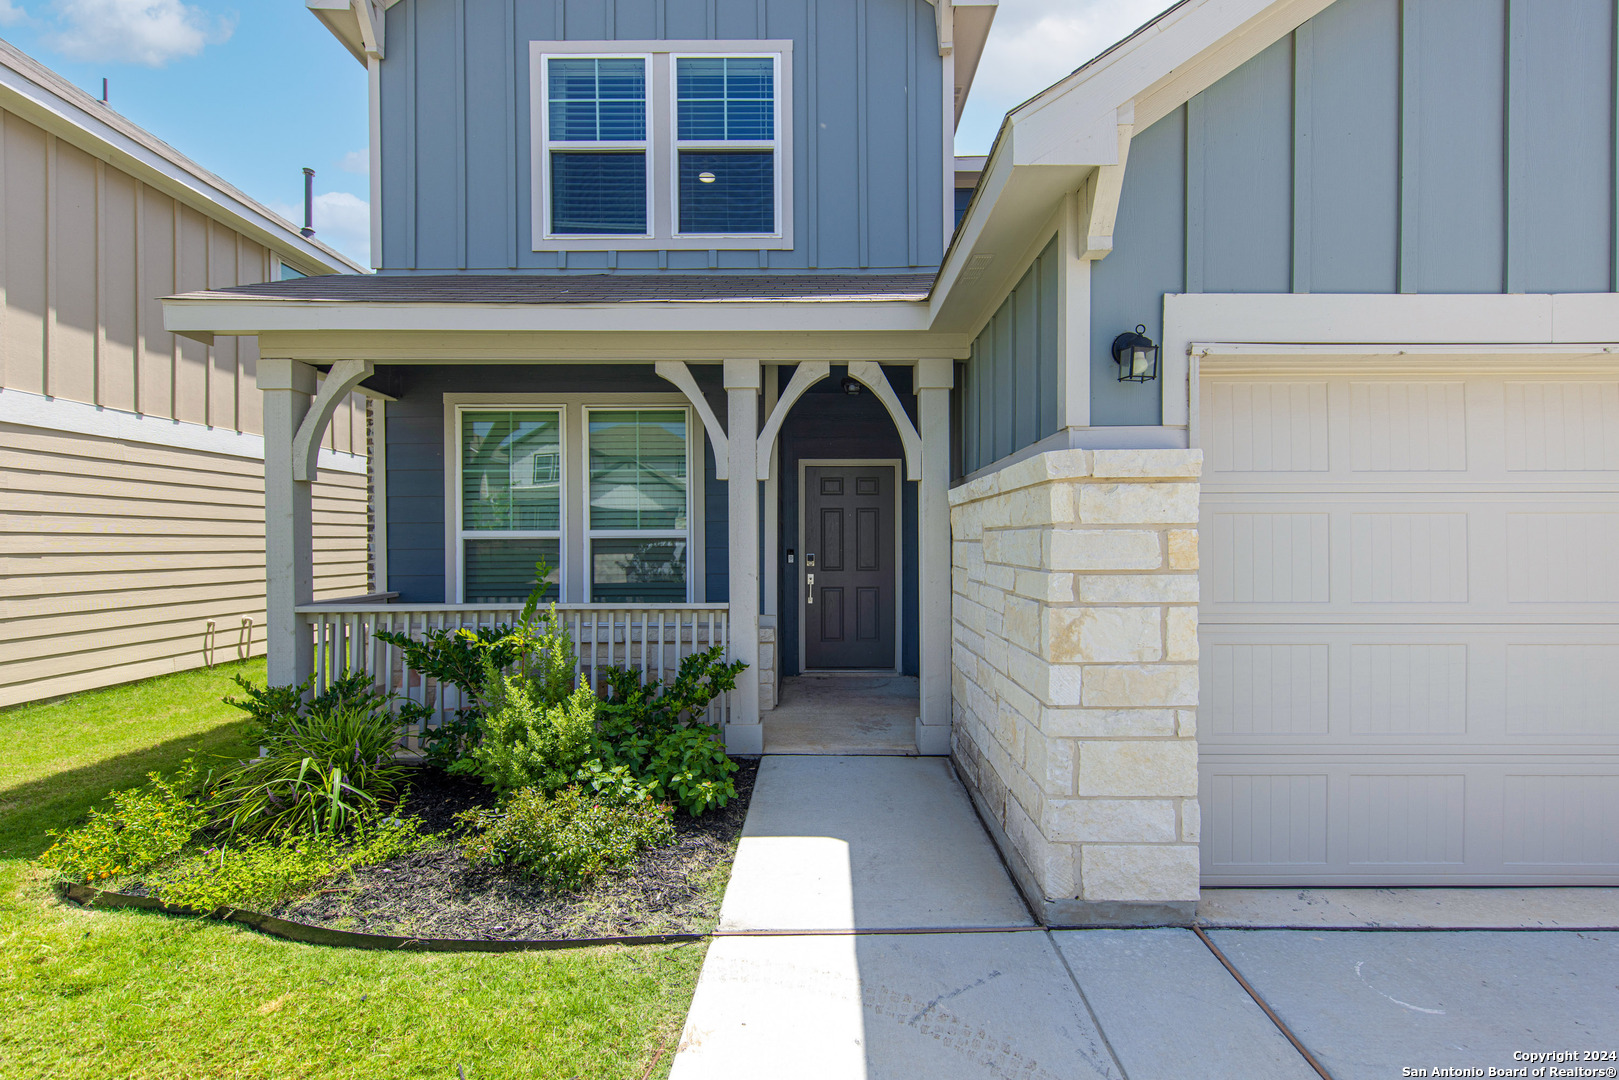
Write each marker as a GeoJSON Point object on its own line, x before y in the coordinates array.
{"type": "Point", "coordinates": [869, 932]}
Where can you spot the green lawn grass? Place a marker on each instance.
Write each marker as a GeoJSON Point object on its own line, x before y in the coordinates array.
{"type": "Point", "coordinates": [139, 995]}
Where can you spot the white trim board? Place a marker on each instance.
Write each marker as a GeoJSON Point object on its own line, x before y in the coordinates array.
{"type": "Point", "coordinates": [1481, 324]}
{"type": "Point", "coordinates": [77, 418]}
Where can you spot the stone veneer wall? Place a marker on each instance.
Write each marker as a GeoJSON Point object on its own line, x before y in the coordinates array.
{"type": "Point", "coordinates": [1075, 677]}
{"type": "Point", "coordinates": [767, 668]}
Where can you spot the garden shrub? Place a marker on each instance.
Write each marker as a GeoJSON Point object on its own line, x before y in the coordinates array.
{"type": "Point", "coordinates": [261, 873]}
{"type": "Point", "coordinates": [691, 768]}
{"type": "Point", "coordinates": [527, 740]}
{"type": "Point", "coordinates": [321, 773]}
{"type": "Point", "coordinates": [273, 709]}
{"type": "Point", "coordinates": [143, 826]}
{"type": "Point", "coordinates": [565, 838]}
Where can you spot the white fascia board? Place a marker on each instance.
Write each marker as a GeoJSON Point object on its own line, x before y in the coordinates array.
{"type": "Point", "coordinates": [93, 128]}
{"type": "Point", "coordinates": [189, 317]}
{"type": "Point", "coordinates": [77, 418]}
{"type": "Point", "coordinates": [972, 22]}
{"type": "Point", "coordinates": [340, 18]}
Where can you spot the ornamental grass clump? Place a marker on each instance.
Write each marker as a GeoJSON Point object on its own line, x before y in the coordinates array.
{"type": "Point", "coordinates": [566, 838]}
{"type": "Point", "coordinates": [326, 772]}
{"type": "Point", "coordinates": [142, 827]}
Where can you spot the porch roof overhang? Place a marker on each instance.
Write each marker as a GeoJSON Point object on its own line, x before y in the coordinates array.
{"type": "Point", "coordinates": [440, 318]}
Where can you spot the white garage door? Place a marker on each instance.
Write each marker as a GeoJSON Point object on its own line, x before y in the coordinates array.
{"type": "Point", "coordinates": [1410, 627]}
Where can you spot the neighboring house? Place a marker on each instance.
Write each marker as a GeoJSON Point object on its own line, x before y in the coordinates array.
{"type": "Point", "coordinates": [1323, 594]}
{"type": "Point", "coordinates": [133, 479]}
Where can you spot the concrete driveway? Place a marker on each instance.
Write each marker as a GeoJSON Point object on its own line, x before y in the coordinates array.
{"type": "Point", "coordinates": [869, 932]}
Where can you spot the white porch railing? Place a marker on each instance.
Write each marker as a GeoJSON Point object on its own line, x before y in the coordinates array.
{"type": "Point", "coordinates": [652, 640]}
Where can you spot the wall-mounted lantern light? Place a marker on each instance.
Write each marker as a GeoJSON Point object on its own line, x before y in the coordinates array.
{"type": "Point", "coordinates": [1136, 356]}
{"type": "Point", "coordinates": [851, 386]}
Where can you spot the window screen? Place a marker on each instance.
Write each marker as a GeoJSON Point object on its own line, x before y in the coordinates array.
{"type": "Point", "coordinates": [726, 126]}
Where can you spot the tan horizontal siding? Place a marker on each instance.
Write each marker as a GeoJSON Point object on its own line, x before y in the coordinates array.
{"type": "Point", "coordinates": [114, 558]}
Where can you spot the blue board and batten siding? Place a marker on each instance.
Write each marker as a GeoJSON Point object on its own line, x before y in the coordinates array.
{"type": "Point", "coordinates": [868, 158]}
{"type": "Point", "coordinates": [1009, 397]}
{"type": "Point", "coordinates": [1429, 146]}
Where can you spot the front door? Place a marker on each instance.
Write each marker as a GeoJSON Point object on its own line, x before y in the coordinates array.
{"type": "Point", "coordinates": [848, 573]}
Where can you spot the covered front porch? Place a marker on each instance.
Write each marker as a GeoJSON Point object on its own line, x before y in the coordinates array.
{"type": "Point", "coordinates": [795, 515]}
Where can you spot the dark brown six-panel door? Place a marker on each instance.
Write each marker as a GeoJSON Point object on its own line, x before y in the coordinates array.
{"type": "Point", "coordinates": [848, 572]}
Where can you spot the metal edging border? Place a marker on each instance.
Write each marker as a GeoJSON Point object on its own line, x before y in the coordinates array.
{"type": "Point", "coordinates": [321, 935]}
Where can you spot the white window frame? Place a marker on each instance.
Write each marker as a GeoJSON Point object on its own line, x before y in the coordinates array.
{"type": "Point", "coordinates": [543, 137]}
{"type": "Point", "coordinates": [774, 145]}
{"type": "Point", "coordinates": [662, 149]}
{"type": "Point", "coordinates": [592, 534]}
{"type": "Point", "coordinates": [463, 534]}
{"type": "Point", "coordinates": [574, 461]}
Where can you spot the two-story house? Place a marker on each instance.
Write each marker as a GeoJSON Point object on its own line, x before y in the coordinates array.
{"type": "Point", "coordinates": [1238, 477]}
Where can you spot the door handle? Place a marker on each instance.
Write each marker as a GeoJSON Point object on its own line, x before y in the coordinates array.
{"type": "Point", "coordinates": [810, 590]}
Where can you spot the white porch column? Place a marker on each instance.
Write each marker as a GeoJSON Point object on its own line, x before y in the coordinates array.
{"type": "Point", "coordinates": [288, 387]}
{"type": "Point", "coordinates": [933, 379]}
{"type": "Point", "coordinates": [744, 734]}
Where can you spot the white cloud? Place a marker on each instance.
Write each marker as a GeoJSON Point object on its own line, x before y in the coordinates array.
{"type": "Point", "coordinates": [150, 32]}
{"type": "Point", "coordinates": [11, 14]}
{"type": "Point", "coordinates": [355, 161]}
{"type": "Point", "coordinates": [1034, 43]}
{"type": "Point", "coordinates": [342, 221]}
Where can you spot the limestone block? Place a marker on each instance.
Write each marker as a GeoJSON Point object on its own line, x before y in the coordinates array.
{"type": "Point", "coordinates": [1114, 821]}
{"type": "Point", "coordinates": [1046, 504]}
{"type": "Point", "coordinates": [1050, 684]}
{"type": "Point", "coordinates": [981, 488]}
{"type": "Point", "coordinates": [1053, 865]}
{"type": "Point", "coordinates": [1104, 635]}
{"type": "Point", "coordinates": [1022, 622]}
{"type": "Point", "coordinates": [1000, 577]}
{"type": "Point", "coordinates": [1013, 547]}
{"type": "Point", "coordinates": [1019, 701]}
{"type": "Point", "coordinates": [1183, 549]}
{"type": "Point", "coordinates": [1046, 587]}
{"type": "Point", "coordinates": [1139, 685]}
{"type": "Point", "coordinates": [1180, 633]}
{"type": "Point", "coordinates": [1139, 872]}
{"type": "Point", "coordinates": [1050, 762]}
{"type": "Point", "coordinates": [767, 656]}
{"type": "Point", "coordinates": [1155, 464]}
{"type": "Point", "coordinates": [1191, 821]}
{"type": "Point", "coordinates": [1186, 723]}
{"type": "Point", "coordinates": [1102, 549]}
{"type": "Point", "coordinates": [1137, 588]}
{"type": "Point", "coordinates": [1137, 504]}
{"type": "Point", "coordinates": [1143, 768]}
{"type": "Point", "coordinates": [1107, 723]}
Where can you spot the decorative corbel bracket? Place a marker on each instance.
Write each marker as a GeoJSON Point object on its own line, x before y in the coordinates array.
{"type": "Point", "coordinates": [338, 384]}
{"type": "Point", "coordinates": [806, 375]}
{"type": "Point", "coordinates": [1101, 209]}
{"type": "Point", "coordinates": [677, 372]}
{"type": "Point", "coordinates": [870, 374]}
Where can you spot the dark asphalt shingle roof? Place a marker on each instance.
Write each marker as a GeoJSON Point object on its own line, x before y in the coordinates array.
{"type": "Point", "coordinates": [581, 288]}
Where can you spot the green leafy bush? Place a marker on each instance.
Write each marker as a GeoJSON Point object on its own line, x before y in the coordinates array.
{"type": "Point", "coordinates": [452, 741]}
{"type": "Point", "coordinates": [273, 709]}
{"type": "Point", "coordinates": [322, 773]}
{"type": "Point", "coordinates": [527, 741]}
{"type": "Point", "coordinates": [691, 768]}
{"type": "Point", "coordinates": [565, 838]}
{"type": "Point", "coordinates": [261, 873]}
{"type": "Point", "coordinates": [614, 784]}
{"type": "Point", "coordinates": [144, 826]}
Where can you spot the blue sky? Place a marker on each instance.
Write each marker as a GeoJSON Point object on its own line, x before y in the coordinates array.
{"type": "Point", "coordinates": [254, 90]}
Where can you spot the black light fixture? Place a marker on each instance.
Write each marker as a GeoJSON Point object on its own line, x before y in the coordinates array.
{"type": "Point", "coordinates": [851, 386]}
{"type": "Point", "coordinates": [1136, 356]}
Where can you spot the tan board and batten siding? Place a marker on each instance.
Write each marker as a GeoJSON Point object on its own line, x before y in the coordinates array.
{"type": "Point", "coordinates": [116, 554]}
{"type": "Point", "coordinates": [1410, 628]}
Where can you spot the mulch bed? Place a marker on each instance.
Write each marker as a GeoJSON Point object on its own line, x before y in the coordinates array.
{"type": "Point", "coordinates": [437, 893]}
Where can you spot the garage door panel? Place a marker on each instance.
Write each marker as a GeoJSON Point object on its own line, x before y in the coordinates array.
{"type": "Point", "coordinates": [1373, 821]}
{"type": "Point", "coordinates": [1410, 629]}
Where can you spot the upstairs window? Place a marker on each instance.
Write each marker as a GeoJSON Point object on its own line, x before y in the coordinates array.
{"type": "Point", "coordinates": [661, 145]}
{"type": "Point", "coordinates": [596, 145]}
{"type": "Point", "coordinates": [726, 144]}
